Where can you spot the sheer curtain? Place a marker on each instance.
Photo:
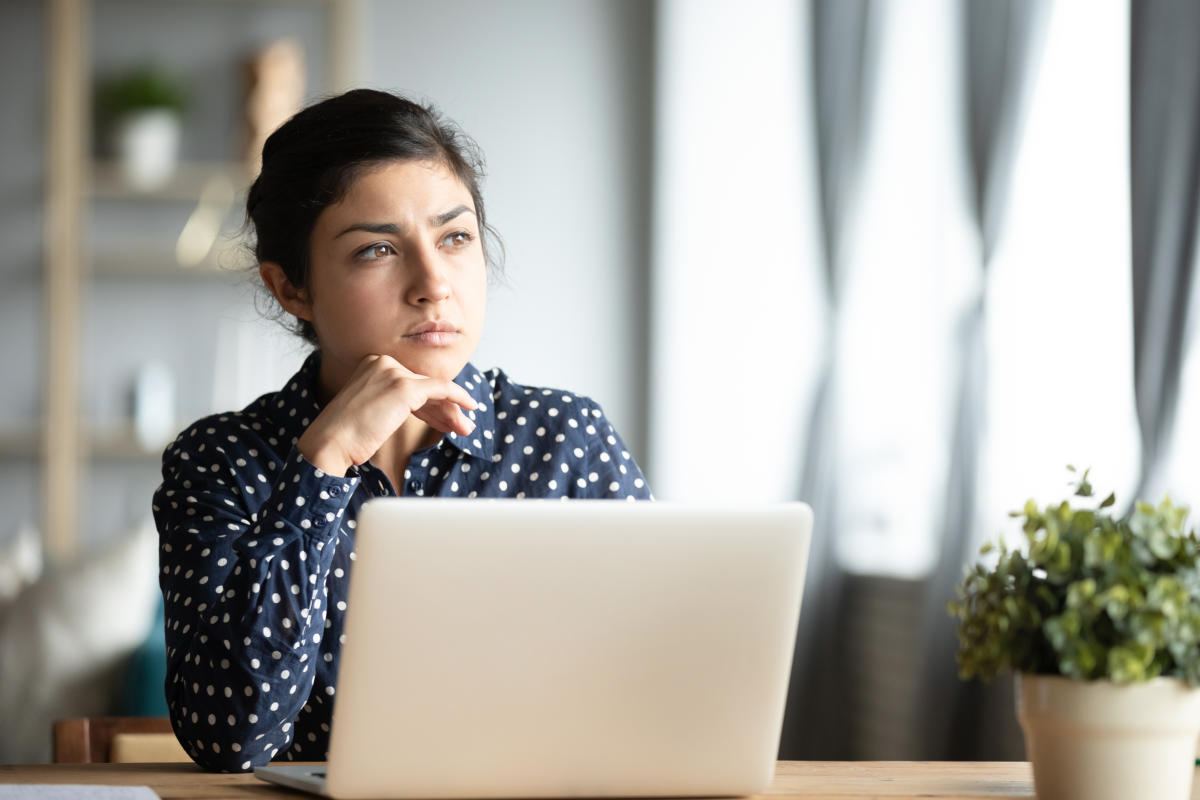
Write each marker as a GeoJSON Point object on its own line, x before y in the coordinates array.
{"type": "Point", "coordinates": [998, 43]}
{"type": "Point", "coordinates": [840, 43]}
{"type": "Point", "coordinates": [738, 287]}
{"type": "Point", "coordinates": [923, 206]}
{"type": "Point", "coordinates": [907, 276]}
{"type": "Point", "coordinates": [910, 375]}
{"type": "Point", "coordinates": [1165, 192]}
{"type": "Point", "coordinates": [736, 317]}
{"type": "Point", "coordinates": [1057, 379]}
{"type": "Point", "coordinates": [1058, 329]}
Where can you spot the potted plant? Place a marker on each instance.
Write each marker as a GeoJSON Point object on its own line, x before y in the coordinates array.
{"type": "Point", "coordinates": [1098, 616]}
{"type": "Point", "coordinates": [142, 110]}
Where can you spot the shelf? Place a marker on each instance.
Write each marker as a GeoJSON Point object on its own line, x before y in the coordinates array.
{"type": "Point", "coordinates": [188, 184]}
{"type": "Point", "coordinates": [106, 230]}
{"type": "Point", "coordinates": [18, 442]}
{"type": "Point", "coordinates": [144, 260]}
{"type": "Point", "coordinates": [120, 444]}
{"type": "Point", "coordinates": [115, 443]}
{"type": "Point", "coordinates": [205, 244]}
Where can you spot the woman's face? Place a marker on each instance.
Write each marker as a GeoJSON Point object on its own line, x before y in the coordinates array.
{"type": "Point", "coordinates": [398, 269]}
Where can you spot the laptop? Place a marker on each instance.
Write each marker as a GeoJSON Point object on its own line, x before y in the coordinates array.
{"type": "Point", "coordinates": [538, 648]}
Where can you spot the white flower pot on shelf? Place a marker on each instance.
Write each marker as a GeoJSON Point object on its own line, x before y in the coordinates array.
{"type": "Point", "coordinates": [1097, 740]}
{"type": "Point", "coordinates": [147, 147]}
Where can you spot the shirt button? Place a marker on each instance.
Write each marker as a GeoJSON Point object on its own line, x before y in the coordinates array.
{"type": "Point", "coordinates": [414, 486]}
{"type": "Point", "coordinates": [335, 491]}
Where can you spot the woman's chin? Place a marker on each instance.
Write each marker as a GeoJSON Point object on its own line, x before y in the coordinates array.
{"type": "Point", "coordinates": [439, 366]}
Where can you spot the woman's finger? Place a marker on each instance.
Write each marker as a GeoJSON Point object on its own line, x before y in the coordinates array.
{"type": "Point", "coordinates": [445, 416]}
{"type": "Point", "coordinates": [447, 391]}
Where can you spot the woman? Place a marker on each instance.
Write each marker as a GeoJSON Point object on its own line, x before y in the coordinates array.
{"type": "Point", "coordinates": [370, 231]}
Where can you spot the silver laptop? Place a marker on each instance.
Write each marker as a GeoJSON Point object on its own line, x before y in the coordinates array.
{"type": "Point", "coordinates": [526, 648]}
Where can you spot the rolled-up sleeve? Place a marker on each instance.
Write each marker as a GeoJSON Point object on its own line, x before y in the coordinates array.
{"type": "Point", "coordinates": [245, 548]}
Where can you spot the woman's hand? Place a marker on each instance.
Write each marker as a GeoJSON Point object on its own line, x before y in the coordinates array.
{"type": "Point", "coordinates": [381, 394]}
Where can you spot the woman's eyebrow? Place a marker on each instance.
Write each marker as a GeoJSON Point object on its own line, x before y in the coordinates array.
{"type": "Point", "coordinates": [373, 227]}
{"type": "Point", "coordinates": [393, 229]}
{"type": "Point", "coordinates": [442, 219]}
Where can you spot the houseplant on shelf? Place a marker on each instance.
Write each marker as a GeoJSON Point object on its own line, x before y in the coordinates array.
{"type": "Point", "coordinates": [142, 111]}
{"type": "Point", "coordinates": [1098, 616]}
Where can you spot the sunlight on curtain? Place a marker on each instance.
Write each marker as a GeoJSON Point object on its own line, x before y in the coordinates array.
{"type": "Point", "coordinates": [1060, 388]}
{"type": "Point", "coordinates": [738, 313]}
{"type": "Point", "coordinates": [736, 307]}
{"type": "Point", "coordinates": [911, 273]}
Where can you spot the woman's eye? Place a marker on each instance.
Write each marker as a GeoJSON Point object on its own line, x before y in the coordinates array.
{"type": "Point", "coordinates": [458, 239]}
{"type": "Point", "coordinates": [377, 250]}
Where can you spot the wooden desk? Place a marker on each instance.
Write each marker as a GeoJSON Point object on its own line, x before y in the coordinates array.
{"type": "Point", "coordinates": [811, 780]}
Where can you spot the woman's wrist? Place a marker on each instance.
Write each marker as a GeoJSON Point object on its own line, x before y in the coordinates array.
{"type": "Point", "coordinates": [324, 454]}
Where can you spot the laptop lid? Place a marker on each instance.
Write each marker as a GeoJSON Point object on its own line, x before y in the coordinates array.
{"type": "Point", "coordinates": [523, 648]}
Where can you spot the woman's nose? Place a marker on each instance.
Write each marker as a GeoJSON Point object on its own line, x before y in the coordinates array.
{"type": "Point", "coordinates": [429, 282]}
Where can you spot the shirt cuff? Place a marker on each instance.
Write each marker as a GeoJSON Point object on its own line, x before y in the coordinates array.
{"type": "Point", "coordinates": [308, 499]}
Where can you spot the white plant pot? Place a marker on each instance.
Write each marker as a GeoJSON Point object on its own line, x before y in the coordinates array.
{"type": "Point", "coordinates": [147, 145]}
{"type": "Point", "coordinates": [1097, 740]}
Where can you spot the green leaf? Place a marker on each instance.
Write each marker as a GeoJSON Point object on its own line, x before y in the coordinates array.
{"type": "Point", "coordinates": [1116, 601]}
{"type": "Point", "coordinates": [1080, 593]}
{"type": "Point", "coordinates": [1088, 595]}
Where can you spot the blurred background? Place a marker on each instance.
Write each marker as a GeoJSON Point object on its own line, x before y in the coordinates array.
{"type": "Point", "coordinates": [902, 259]}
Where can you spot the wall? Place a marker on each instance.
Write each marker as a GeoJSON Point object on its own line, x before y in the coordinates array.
{"type": "Point", "coordinates": [21, 179]}
{"type": "Point", "coordinates": [558, 95]}
{"type": "Point", "coordinates": [136, 308]}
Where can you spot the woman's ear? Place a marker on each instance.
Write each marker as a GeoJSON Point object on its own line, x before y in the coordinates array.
{"type": "Point", "coordinates": [294, 301]}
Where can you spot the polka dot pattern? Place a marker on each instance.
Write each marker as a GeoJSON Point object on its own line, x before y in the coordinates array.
{"type": "Point", "coordinates": [257, 547]}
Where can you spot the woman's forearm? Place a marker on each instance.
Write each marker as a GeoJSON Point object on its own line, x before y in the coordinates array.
{"type": "Point", "coordinates": [245, 611]}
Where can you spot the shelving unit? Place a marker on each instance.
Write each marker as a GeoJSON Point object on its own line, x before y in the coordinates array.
{"type": "Point", "coordinates": [117, 443]}
{"type": "Point", "coordinates": [187, 182]}
{"type": "Point", "coordinates": [18, 442]}
{"type": "Point", "coordinates": [64, 444]}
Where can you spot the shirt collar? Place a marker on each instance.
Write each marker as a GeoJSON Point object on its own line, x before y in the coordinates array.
{"type": "Point", "coordinates": [296, 406]}
{"type": "Point", "coordinates": [480, 442]}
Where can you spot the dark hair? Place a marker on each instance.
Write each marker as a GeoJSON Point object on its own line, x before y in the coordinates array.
{"type": "Point", "coordinates": [310, 162]}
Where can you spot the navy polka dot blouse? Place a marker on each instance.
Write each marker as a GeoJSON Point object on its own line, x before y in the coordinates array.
{"type": "Point", "coordinates": [257, 545]}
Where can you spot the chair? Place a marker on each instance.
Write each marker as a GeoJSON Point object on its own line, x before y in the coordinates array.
{"type": "Point", "coordinates": [116, 740]}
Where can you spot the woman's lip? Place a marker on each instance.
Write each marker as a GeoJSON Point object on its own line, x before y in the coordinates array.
{"type": "Point", "coordinates": [433, 338]}
{"type": "Point", "coordinates": [433, 326]}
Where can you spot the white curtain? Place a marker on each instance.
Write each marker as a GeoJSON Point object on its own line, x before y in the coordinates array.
{"type": "Point", "coordinates": [741, 322]}
{"type": "Point", "coordinates": [1059, 322]}
{"type": "Point", "coordinates": [1164, 121]}
{"type": "Point", "coordinates": [909, 276]}
{"type": "Point", "coordinates": [736, 316]}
